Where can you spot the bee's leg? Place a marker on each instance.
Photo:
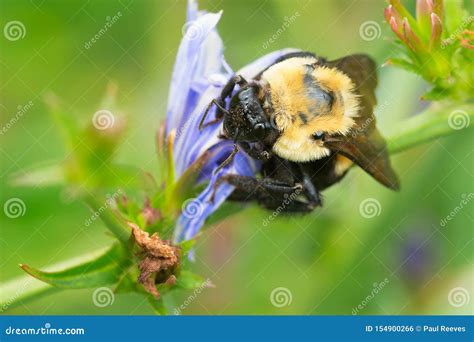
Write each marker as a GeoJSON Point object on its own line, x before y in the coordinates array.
{"type": "Point", "coordinates": [256, 151]}
{"type": "Point", "coordinates": [228, 160]}
{"type": "Point", "coordinates": [311, 193]}
{"type": "Point", "coordinates": [286, 205]}
{"type": "Point", "coordinates": [220, 101]}
{"type": "Point", "coordinates": [219, 113]}
{"type": "Point", "coordinates": [271, 193]}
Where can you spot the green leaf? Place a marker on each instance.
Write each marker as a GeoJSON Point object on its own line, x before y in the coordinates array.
{"type": "Point", "coordinates": [104, 270]}
{"type": "Point", "coordinates": [404, 64]}
{"type": "Point", "coordinates": [455, 13]}
{"type": "Point", "coordinates": [158, 305]}
{"type": "Point", "coordinates": [436, 94]}
{"type": "Point", "coordinates": [187, 245]}
{"type": "Point", "coordinates": [65, 121]}
{"type": "Point", "coordinates": [49, 174]}
{"type": "Point", "coordinates": [189, 281]}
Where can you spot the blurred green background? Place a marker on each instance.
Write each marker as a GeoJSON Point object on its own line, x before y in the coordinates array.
{"type": "Point", "coordinates": [329, 261]}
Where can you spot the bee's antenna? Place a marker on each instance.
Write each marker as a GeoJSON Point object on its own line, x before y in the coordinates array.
{"type": "Point", "coordinates": [218, 105]}
{"type": "Point", "coordinates": [228, 159]}
{"type": "Point", "coordinates": [236, 134]}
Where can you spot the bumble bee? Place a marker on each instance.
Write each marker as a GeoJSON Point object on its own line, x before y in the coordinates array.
{"type": "Point", "coordinates": [308, 120]}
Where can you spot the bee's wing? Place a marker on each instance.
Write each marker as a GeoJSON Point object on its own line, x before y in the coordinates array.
{"type": "Point", "coordinates": [364, 144]}
{"type": "Point", "coordinates": [362, 70]}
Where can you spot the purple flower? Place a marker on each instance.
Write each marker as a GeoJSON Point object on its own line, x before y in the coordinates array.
{"type": "Point", "coordinates": [199, 74]}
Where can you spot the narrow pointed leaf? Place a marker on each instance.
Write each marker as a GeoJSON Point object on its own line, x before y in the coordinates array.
{"type": "Point", "coordinates": [402, 63]}
{"type": "Point", "coordinates": [436, 94]}
{"type": "Point", "coordinates": [104, 270]}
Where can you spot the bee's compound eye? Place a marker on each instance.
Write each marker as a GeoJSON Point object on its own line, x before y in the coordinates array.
{"type": "Point", "coordinates": [259, 130]}
{"type": "Point", "coordinates": [318, 135]}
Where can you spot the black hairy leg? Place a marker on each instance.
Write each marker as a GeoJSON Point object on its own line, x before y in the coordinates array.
{"type": "Point", "coordinates": [220, 101]}
{"type": "Point", "coordinates": [256, 150]}
{"type": "Point", "coordinates": [270, 193]}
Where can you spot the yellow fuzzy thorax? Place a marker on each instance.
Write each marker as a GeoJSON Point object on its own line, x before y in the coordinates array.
{"type": "Point", "coordinates": [288, 100]}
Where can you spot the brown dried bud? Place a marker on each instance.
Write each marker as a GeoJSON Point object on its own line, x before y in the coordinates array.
{"type": "Point", "coordinates": [159, 263]}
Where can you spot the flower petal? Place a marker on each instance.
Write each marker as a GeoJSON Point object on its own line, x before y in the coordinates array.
{"type": "Point", "coordinates": [199, 74]}
{"type": "Point", "coordinates": [199, 54]}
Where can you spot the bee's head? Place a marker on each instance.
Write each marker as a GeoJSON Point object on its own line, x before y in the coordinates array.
{"type": "Point", "coordinates": [245, 119]}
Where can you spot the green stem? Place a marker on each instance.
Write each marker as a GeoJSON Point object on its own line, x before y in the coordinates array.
{"type": "Point", "coordinates": [431, 124]}
{"type": "Point", "coordinates": [112, 220]}
{"type": "Point", "coordinates": [426, 126]}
